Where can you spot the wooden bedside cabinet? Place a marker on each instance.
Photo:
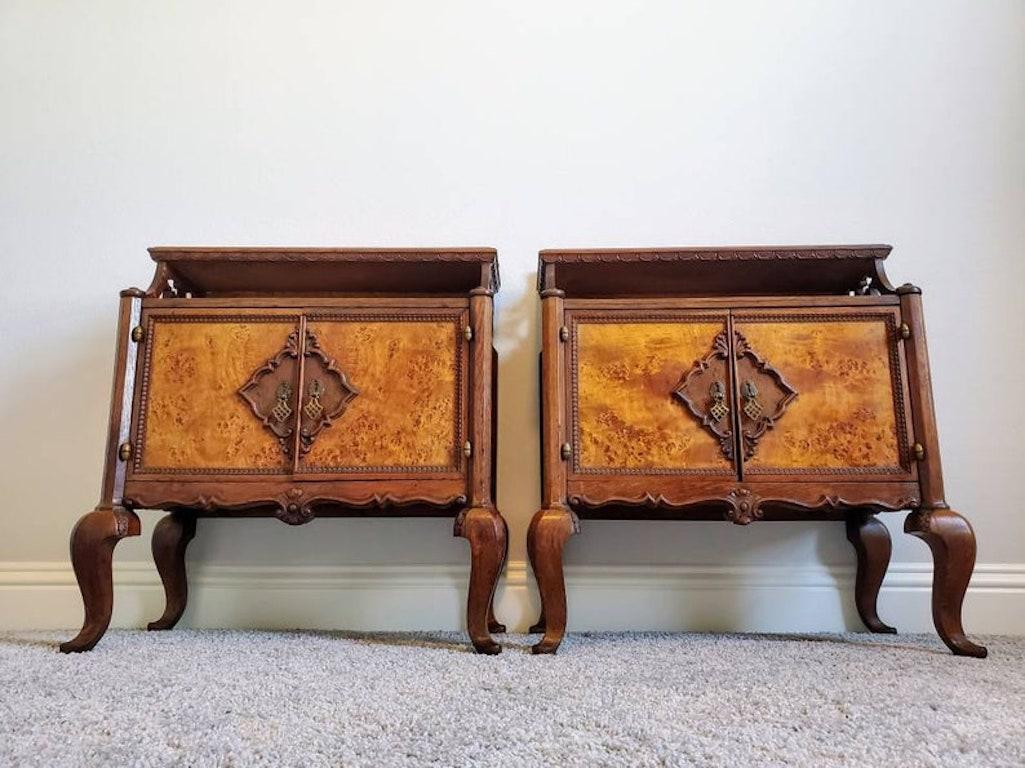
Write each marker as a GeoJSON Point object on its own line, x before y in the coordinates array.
{"type": "Point", "coordinates": [299, 383]}
{"type": "Point", "coordinates": [748, 384]}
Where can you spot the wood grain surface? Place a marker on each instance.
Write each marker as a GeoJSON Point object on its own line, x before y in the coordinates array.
{"type": "Point", "coordinates": [407, 412]}
{"type": "Point", "coordinates": [626, 416]}
{"type": "Point", "coordinates": [844, 415]}
{"type": "Point", "coordinates": [194, 417]}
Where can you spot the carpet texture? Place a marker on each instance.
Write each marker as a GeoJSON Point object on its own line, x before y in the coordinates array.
{"type": "Point", "coordinates": [234, 698]}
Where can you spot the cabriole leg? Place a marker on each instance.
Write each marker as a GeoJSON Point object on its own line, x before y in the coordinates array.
{"type": "Point", "coordinates": [546, 538]}
{"type": "Point", "coordinates": [92, 549]}
{"type": "Point", "coordinates": [871, 540]}
{"type": "Point", "coordinates": [485, 529]}
{"type": "Point", "coordinates": [171, 537]}
{"type": "Point", "coordinates": [494, 625]}
{"type": "Point", "coordinates": [952, 541]}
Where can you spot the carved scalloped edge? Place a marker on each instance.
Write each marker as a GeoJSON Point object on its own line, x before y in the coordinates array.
{"type": "Point", "coordinates": [743, 505]}
{"type": "Point", "coordinates": [291, 506]}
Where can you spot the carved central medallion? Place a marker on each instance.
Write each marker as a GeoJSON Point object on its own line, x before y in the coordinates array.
{"type": "Point", "coordinates": [763, 393]}
{"type": "Point", "coordinates": [275, 397]}
{"type": "Point", "coordinates": [703, 390]}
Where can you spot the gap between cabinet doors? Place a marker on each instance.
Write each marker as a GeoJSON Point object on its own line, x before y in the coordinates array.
{"type": "Point", "coordinates": [302, 312]}
{"type": "Point", "coordinates": [733, 316]}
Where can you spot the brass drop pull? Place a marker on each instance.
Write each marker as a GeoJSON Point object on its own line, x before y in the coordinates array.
{"type": "Point", "coordinates": [752, 408]}
{"type": "Point", "coordinates": [282, 410]}
{"type": "Point", "coordinates": [313, 408]}
{"type": "Point", "coordinates": [718, 409]}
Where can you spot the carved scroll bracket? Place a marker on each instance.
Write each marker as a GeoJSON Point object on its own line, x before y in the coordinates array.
{"type": "Point", "coordinates": [293, 510]}
{"type": "Point", "coordinates": [744, 506]}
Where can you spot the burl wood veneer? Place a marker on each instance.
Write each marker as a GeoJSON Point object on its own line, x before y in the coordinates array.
{"type": "Point", "coordinates": [776, 383]}
{"type": "Point", "coordinates": [299, 383]}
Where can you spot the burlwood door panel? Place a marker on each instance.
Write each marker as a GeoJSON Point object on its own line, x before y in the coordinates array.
{"type": "Point", "coordinates": [190, 418]}
{"type": "Point", "coordinates": [649, 394]}
{"type": "Point", "coordinates": [822, 393]}
{"type": "Point", "coordinates": [408, 413]}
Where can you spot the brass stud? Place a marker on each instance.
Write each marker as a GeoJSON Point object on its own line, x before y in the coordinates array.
{"type": "Point", "coordinates": [919, 451]}
{"type": "Point", "coordinates": [468, 333]}
{"type": "Point", "coordinates": [124, 451]}
{"type": "Point", "coordinates": [566, 451]}
{"type": "Point", "coordinates": [564, 333]}
{"type": "Point", "coordinates": [905, 331]}
{"type": "Point", "coordinates": [138, 334]}
{"type": "Point", "coordinates": [467, 449]}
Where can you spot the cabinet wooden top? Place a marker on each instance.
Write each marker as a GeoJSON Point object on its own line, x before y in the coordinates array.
{"type": "Point", "coordinates": [721, 271]}
{"type": "Point", "coordinates": [235, 271]}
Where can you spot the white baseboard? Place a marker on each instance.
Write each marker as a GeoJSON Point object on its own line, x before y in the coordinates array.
{"type": "Point", "coordinates": [769, 598]}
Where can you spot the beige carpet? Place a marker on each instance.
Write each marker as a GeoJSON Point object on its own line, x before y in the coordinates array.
{"type": "Point", "coordinates": [232, 698]}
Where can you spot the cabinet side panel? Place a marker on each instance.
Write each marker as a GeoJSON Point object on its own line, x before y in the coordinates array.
{"type": "Point", "coordinates": [193, 417]}
{"type": "Point", "coordinates": [626, 418]}
{"type": "Point", "coordinates": [407, 415]}
{"type": "Point", "coordinates": [845, 416]}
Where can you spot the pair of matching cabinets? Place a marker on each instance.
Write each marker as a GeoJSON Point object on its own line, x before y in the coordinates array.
{"type": "Point", "coordinates": [765, 383]}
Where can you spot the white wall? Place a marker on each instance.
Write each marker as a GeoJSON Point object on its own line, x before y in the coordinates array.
{"type": "Point", "coordinates": [518, 125]}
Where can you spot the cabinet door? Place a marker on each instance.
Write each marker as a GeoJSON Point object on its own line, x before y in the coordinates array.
{"type": "Point", "coordinates": [216, 393]}
{"type": "Point", "coordinates": [650, 394]}
{"type": "Point", "coordinates": [402, 374]}
{"type": "Point", "coordinates": [822, 393]}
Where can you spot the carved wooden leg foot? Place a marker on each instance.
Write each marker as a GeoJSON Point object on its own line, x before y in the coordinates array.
{"type": "Point", "coordinates": [485, 529]}
{"type": "Point", "coordinates": [546, 538]}
{"type": "Point", "coordinates": [494, 625]}
{"type": "Point", "coordinates": [952, 541]}
{"type": "Point", "coordinates": [871, 541]}
{"type": "Point", "coordinates": [92, 548]}
{"type": "Point", "coordinates": [539, 626]}
{"type": "Point", "coordinates": [170, 539]}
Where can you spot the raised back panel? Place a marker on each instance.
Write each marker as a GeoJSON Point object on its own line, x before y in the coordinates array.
{"type": "Point", "coordinates": [191, 418]}
{"type": "Point", "coordinates": [849, 414]}
{"type": "Point", "coordinates": [409, 413]}
{"type": "Point", "coordinates": [623, 374]}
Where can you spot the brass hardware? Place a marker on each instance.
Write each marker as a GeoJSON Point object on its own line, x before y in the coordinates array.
{"type": "Point", "coordinates": [566, 451]}
{"type": "Point", "coordinates": [124, 451]}
{"type": "Point", "coordinates": [468, 333]}
{"type": "Point", "coordinates": [467, 449]}
{"type": "Point", "coordinates": [564, 333]}
{"type": "Point", "coordinates": [752, 407]}
{"type": "Point", "coordinates": [138, 333]}
{"type": "Point", "coordinates": [905, 331]}
{"type": "Point", "coordinates": [919, 451]}
{"type": "Point", "coordinates": [282, 410]}
{"type": "Point", "coordinates": [718, 410]}
{"type": "Point", "coordinates": [313, 409]}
